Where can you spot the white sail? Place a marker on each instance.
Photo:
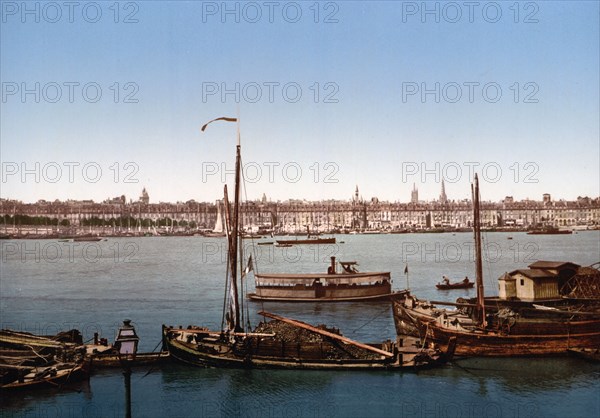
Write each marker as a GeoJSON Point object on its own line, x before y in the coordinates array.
{"type": "Point", "coordinates": [219, 222]}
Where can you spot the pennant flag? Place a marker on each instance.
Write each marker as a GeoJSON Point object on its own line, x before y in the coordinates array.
{"type": "Point", "coordinates": [214, 120]}
{"type": "Point", "coordinates": [406, 269]}
{"type": "Point", "coordinates": [249, 267]}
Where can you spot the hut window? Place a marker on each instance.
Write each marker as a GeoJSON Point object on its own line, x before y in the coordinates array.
{"type": "Point", "coordinates": [522, 282]}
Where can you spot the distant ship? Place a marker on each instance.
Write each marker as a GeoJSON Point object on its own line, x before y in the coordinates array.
{"type": "Point", "coordinates": [309, 240]}
{"type": "Point", "coordinates": [549, 230]}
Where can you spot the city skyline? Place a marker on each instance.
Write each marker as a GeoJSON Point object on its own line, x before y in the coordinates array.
{"type": "Point", "coordinates": [329, 95]}
{"type": "Point", "coordinates": [146, 197]}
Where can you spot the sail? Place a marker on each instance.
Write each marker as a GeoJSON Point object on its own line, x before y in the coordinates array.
{"type": "Point", "coordinates": [480, 309]}
{"type": "Point", "coordinates": [219, 222]}
{"type": "Point", "coordinates": [232, 308]}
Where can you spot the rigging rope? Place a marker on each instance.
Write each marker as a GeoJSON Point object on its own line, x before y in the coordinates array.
{"type": "Point", "coordinates": [371, 320]}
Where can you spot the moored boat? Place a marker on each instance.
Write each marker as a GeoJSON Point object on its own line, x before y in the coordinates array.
{"type": "Point", "coordinates": [57, 375]}
{"type": "Point", "coordinates": [344, 286]}
{"type": "Point", "coordinates": [504, 332]}
{"type": "Point", "coordinates": [29, 361]}
{"type": "Point", "coordinates": [310, 239]}
{"type": "Point", "coordinates": [281, 342]}
{"type": "Point", "coordinates": [549, 230]}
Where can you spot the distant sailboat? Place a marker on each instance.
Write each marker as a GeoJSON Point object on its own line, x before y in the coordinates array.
{"type": "Point", "coordinates": [219, 222]}
{"type": "Point", "coordinates": [218, 230]}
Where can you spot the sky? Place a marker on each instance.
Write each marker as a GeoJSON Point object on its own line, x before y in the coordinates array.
{"type": "Point", "coordinates": [100, 99]}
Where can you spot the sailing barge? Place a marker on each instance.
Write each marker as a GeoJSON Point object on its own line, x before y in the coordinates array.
{"type": "Point", "coordinates": [28, 361]}
{"type": "Point", "coordinates": [347, 285]}
{"type": "Point", "coordinates": [281, 342]}
{"type": "Point", "coordinates": [285, 343]}
{"type": "Point", "coordinates": [528, 330]}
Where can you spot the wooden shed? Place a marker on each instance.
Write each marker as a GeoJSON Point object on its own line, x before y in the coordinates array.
{"type": "Point", "coordinates": [534, 284]}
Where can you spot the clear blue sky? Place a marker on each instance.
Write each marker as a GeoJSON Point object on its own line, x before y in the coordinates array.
{"type": "Point", "coordinates": [361, 118]}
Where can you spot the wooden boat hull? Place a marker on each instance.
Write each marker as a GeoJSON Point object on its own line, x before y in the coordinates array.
{"type": "Point", "coordinates": [496, 344]}
{"type": "Point", "coordinates": [409, 313]}
{"type": "Point", "coordinates": [315, 287]}
{"type": "Point", "coordinates": [113, 360]}
{"type": "Point", "coordinates": [523, 336]}
{"type": "Point", "coordinates": [295, 298]}
{"type": "Point", "coordinates": [306, 241]}
{"type": "Point", "coordinates": [62, 377]}
{"type": "Point", "coordinates": [257, 353]}
{"type": "Point", "coordinates": [551, 232]}
{"type": "Point", "coordinates": [455, 286]}
{"type": "Point", "coordinates": [262, 353]}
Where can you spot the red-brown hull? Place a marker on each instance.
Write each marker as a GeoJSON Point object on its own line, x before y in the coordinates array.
{"type": "Point", "coordinates": [496, 344]}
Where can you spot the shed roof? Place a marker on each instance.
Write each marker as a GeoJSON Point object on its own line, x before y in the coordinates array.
{"type": "Point", "coordinates": [506, 276]}
{"type": "Point", "coordinates": [534, 273]}
{"type": "Point", "coordinates": [553, 265]}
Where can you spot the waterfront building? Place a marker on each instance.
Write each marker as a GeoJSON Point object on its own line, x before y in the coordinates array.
{"type": "Point", "coordinates": [294, 216]}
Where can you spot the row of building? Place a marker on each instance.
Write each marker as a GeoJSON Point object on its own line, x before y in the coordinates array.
{"type": "Point", "coordinates": [295, 215]}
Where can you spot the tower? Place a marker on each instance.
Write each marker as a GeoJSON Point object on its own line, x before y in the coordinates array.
{"type": "Point", "coordinates": [144, 198]}
{"type": "Point", "coordinates": [414, 195]}
{"type": "Point", "coordinates": [443, 197]}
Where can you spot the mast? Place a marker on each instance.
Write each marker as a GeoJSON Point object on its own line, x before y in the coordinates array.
{"type": "Point", "coordinates": [480, 310]}
{"type": "Point", "coordinates": [235, 231]}
{"type": "Point", "coordinates": [233, 227]}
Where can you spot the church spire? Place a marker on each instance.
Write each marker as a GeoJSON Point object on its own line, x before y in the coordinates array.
{"type": "Point", "coordinates": [443, 197]}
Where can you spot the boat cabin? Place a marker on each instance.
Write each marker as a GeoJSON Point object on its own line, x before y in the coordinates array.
{"type": "Point", "coordinates": [347, 284]}
{"type": "Point", "coordinates": [541, 281]}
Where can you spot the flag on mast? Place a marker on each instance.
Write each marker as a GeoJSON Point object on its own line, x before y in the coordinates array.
{"type": "Point", "coordinates": [249, 267]}
{"type": "Point", "coordinates": [214, 120]}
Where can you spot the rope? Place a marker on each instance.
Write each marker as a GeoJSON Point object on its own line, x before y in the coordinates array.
{"type": "Point", "coordinates": [37, 354]}
{"type": "Point", "coordinates": [151, 369]}
{"type": "Point", "coordinates": [371, 320]}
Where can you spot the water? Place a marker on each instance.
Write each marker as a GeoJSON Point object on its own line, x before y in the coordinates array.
{"type": "Point", "coordinates": [49, 286]}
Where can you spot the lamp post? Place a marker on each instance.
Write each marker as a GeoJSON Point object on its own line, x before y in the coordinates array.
{"type": "Point", "coordinates": [126, 345]}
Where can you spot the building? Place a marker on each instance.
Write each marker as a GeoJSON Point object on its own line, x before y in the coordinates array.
{"type": "Point", "coordinates": [295, 215]}
{"type": "Point", "coordinates": [543, 280]}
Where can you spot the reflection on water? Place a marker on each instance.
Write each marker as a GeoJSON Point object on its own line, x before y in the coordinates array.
{"type": "Point", "coordinates": [179, 281]}
{"type": "Point", "coordinates": [530, 375]}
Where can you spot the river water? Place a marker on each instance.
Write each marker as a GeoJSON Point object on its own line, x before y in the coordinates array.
{"type": "Point", "coordinates": [48, 286]}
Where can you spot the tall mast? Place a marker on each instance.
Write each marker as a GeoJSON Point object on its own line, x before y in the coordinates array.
{"type": "Point", "coordinates": [235, 230]}
{"type": "Point", "coordinates": [480, 310]}
{"type": "Point", "coordinates": [233, 225]}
